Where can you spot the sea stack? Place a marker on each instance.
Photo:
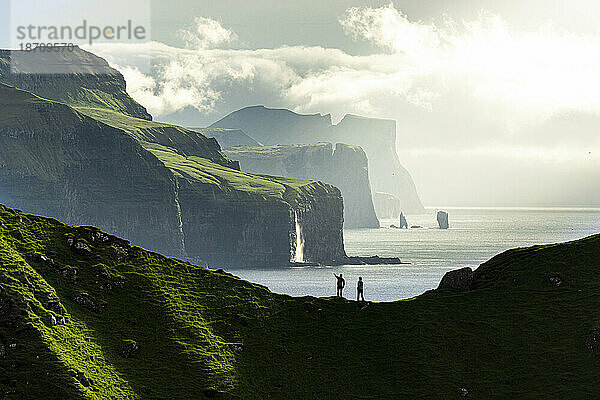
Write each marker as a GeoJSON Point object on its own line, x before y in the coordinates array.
{"type": "Point", "coordinates": [442, 219]}
{"type": "Point", "coordinates": [403, 223]}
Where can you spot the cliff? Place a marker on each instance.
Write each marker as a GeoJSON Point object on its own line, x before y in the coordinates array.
{"type": "Point", "coordinates": [345, 167]}
{"type": "Point", "coordinates": [161, 186]}
{"type": "Point", "coordinates": [76, 78]}
{"type": "Point", "coordinates": [387, 205]}
{"type": "Point", "coordinates": [376, 136]}
{"type": "Point", "coordinates": [90, 317]}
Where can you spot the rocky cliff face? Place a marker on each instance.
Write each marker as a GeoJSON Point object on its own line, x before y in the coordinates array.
{"type": "Point", "coordinates": [160, 186]}
{"type": "Point", "coordinates": [57, 162]}
{"type": "Point", "coordinates": [345, 167]}
{"type": "Point", "coordinates": [387, 205]}
{"type": "Point", "coordinates": [77, 78]}
{"type": "Point", "coordinates": [376, 136]}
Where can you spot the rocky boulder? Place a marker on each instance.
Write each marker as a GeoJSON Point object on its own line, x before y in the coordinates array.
{"type": "Point", "coordinates": [130, 349]}
{"type": "Point", "coordinates": [459, 279]}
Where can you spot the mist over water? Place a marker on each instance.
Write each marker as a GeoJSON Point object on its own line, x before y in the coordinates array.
{"type": "Point", "coordinates": [475, 235]}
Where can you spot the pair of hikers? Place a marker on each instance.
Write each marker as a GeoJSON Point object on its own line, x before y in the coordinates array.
{"type": "Point", "coordinates": [341, 284]}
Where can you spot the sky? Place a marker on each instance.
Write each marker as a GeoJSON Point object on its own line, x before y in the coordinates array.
{"type": "Point", "coordinates": [496, 103]}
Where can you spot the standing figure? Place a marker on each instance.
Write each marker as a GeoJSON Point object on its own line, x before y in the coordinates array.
{"type": "Point", "coordinates": [359, 290]}
{"type": "Point", "coordinates": [341, 283]}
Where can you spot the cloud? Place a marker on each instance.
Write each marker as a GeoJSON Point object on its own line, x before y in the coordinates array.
{"type": "Point", "coordinates": [523, 75]}
{"type": "Point", "coordinates": [537, 72]}
{"type": "Point", "coordinates": [206, 33]}
{"type": "Point", "coordinates": [464, 93]}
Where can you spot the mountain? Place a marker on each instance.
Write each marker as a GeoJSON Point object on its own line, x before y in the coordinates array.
{"type": "Point", "coordinates": [376, 136]}
{"type": "Point", "coordinates": [161, 186]}
{"type": "Point", "coordinates": [345, 167]}
{"type": "Point", "coordinates": [228, 137]}
{"type": "Point", "coordinates": [84, 315]}
{"type": "Point", "coordinates": [77, 78]}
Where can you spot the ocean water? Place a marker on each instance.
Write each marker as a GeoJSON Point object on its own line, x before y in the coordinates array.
{"type": "Point", "coordinates": [475, 235]}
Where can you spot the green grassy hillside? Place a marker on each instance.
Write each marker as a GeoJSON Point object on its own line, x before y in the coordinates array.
{"type": "Point", "coordinates": [84, 315]}
{"type": "Point", "coordinates": [198, 159]}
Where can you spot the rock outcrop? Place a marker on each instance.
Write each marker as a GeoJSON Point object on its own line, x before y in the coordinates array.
{"type": "Point", "coordinates": [403, 222]}
{"type": "Point", "coordinates": [345, 167]}
{"type": "Point", "coordinates": [460, 279]}
{"type": "Point", "coordinates": [376, 136]}
{"type": "Point", "coordinates": [442, 219]}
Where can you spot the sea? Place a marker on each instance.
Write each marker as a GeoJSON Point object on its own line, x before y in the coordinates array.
{"type": "Point", "coordinates": [475, 235]}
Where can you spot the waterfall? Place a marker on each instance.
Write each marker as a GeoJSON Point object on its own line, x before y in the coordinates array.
{"type": "Point", "coordinates": [299, 254]}
{"type": "Point", "coordinates": [179, 217]}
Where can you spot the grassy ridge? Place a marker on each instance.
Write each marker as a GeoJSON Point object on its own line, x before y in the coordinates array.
{"type": "Point", "coordinates": [202, 333]}
{"type": "Point", "coordinates": [198, 159]}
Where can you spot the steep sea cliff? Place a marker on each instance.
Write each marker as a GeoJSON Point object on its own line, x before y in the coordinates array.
{"type": "Point", "coordinates": [89, 154]}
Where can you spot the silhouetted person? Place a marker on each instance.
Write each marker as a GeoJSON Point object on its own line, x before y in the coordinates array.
{"type": "Point", "coordinates": [341, 283]}
{"type": "Point", "coordinates": [359, 290]}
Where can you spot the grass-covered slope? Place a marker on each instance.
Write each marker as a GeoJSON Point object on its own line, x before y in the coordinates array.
{"type": "Point", "coordinates": [201, 334]}
{"type": "Point", "coordinates": [178, 139]}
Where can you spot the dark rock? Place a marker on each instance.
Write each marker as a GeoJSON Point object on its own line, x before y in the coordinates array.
{"type": "Point", "coordinates": [70, 241]}
{"type": "Point", "coordinates": [416, 226]}
{"type": "Point", "coordinates": [56, 306]}
{"type": "Point", "coordinates": [236, 348]}
{"type": "Point", "coordinates": [463, 392]}
{"type": "Point", "coordinates": [403, 222]}
{"type": "Point", "coordinates": [3, 226]}
{"type": "Point", "coordinates": [97, 236]}
{"type": "Point", "coordinates": [459, 279]}
{"type": "Point", "coordinates": [442, 219]}
{"type": "Point", "coordinates": [104, 273]}
{"type": "Point", "coordinates": [372, 260]}
{"type": "Point", "coordinates": [131, 348]}
{"type": "Point", "coordinates": [87, 301]}
{"type": "Point", "coordinates": [592, 341]}
{"type": "Point", "coordinates": [394, 226]}
{"type": "Point", "coordinates": [68, 272]}
{"type": "Point", "coordinates": [82, 248]}
{"type": "Point", "coordinates": [84, 380]}
{"type": "Point", "coordinates": [555, 280]}
{"type": "Point", "coordinates": [52, 320]}
{"type": "Point", "coordinates": [120, 252]}
{"type": "Point", "coordinates": [41, 258]}
{"type": "Point", "coordinates": [2, 351]}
